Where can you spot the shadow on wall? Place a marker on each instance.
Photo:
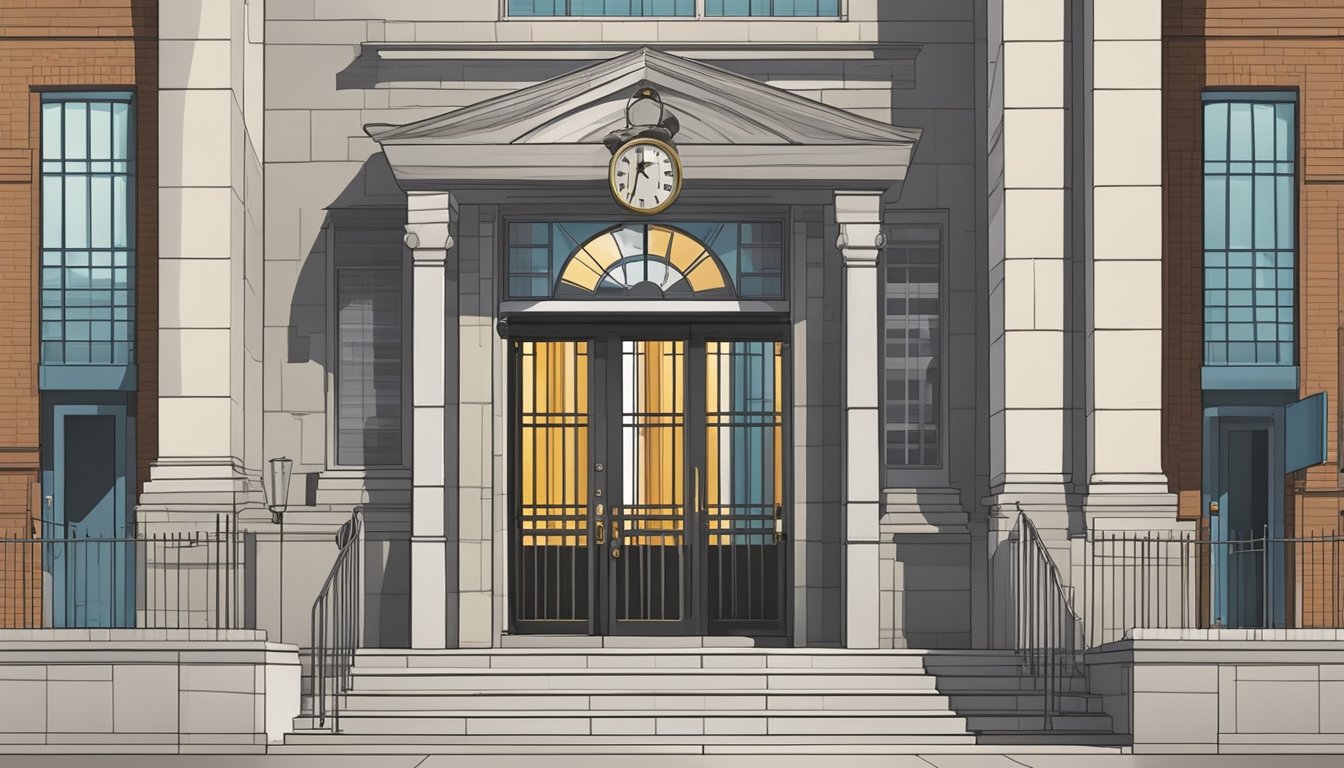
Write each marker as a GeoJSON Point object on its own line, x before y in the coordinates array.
{"type": "Point", "coordinates": [351, 282]}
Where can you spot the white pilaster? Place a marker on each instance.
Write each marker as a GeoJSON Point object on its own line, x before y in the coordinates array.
{"type": "Point", "coordinates": [859, 216]}
{"type": "Point", "coordinates": [1124, 333]}
{"type": "Point", "coordinates": [1028, 425]}
{"type": "Point", "coordinates": [429, 237]}
{"type": "Point", "coordinates": [209, 374]}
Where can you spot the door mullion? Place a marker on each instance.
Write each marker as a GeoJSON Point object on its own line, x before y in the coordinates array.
{"type": "Point", "coordinates": [695, 481]}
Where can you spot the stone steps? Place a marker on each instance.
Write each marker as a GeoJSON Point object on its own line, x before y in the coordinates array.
{"type": "Point", "coordinates": [637, 723]}
{"type": "Point", "coordinates": [580, 699]}
{"type": "Point", "coordinates": [604, 743]}
{"type": "Point", "coordinates": [679, 699]}
{"type": "Point", "coordinates": [642, 681]}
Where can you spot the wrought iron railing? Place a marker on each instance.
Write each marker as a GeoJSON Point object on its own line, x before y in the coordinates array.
{"type": "Point", "coordinates": [63, 578]}
{"type": "Point", "coordinates": [1176, 580]}
{"type": "Point", "coordinates": [336, 619]}
{"type": "Point", "coordinates": [1046, 631]}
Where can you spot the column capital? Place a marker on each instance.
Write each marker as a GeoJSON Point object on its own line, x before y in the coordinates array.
{"type": "Point", "coordinates": [429, 220]}
{"type": "Point", "coordinates": [859, 216]}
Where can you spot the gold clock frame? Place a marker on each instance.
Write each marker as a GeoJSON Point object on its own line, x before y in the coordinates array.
{"type": "Point", "coordinates": [676, 186]}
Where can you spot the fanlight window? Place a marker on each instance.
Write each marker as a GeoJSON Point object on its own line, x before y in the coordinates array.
{"type": "Point", "coordinates": [644, 261]}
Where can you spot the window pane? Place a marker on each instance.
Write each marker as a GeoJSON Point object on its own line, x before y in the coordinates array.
{"type": "Point", "coordinates": [1262, 125]}
{"type": "Point", "coordinates": [77, 211]}
{"type": "Point", "coordinates": [100, 212]}
{"type": "Point", "coordinates": [1285, 215]}
{"type": "Point", "coordinates": [368, 381]}
{"type": "Point", "coordinates": [1265, 210]}
{"type": "Point", "coordinates": [1215, 212]}
{"type": "Point", "coordinates": [1215, 132]}
{"type": "Point", "coordinates": [52, 212]}
{"type": "Point", "coordinates": [1239, 211]}
{"type": "Point", "coordinates": [1285, 132]}
{"type": "Point", "coordinates": [100, 131]}
{"type": "Point", "coordinates": [912, 333]}
{"type": "Point", "coordinates": [76, 131]}
{"type": "Point", "coordinates": [52, 131]}
{"type": "Point", "coordinates": [1239, 128]}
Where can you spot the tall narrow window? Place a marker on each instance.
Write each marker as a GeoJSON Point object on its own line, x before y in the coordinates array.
{"type": "Point", "coordinates": [88, 232]}
{"type": "Point", "coordinates": [1250, 223]}
{"type": "Point", "coordinates": [368, 295]}
{"type": "Point", "coordinates": [912, 348]}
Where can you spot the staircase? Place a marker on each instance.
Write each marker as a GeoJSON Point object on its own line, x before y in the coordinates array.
{"type": "Point", "coordinates": [1002, 705]}
{"type": "Point", "coordinates": [686, 700]}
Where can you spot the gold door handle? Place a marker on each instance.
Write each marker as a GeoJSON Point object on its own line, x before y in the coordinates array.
{"type": "Point", "coordinates": [601, 526]}
{"type": "Point", "coordinates": [615, 532]}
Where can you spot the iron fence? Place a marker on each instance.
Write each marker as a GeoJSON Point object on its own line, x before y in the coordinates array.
{"type": "Point", "coordinates": [1178, 580]}
{"type": "Point", "coordinates": [146, 580]}
{"type": "Point", "coordinates": [336, 619]}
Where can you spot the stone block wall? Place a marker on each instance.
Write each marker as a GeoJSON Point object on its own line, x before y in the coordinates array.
{"type": "Point", "coordinates": [1224, 691]}
{"type": "Point", "coordinates": [145, 691]}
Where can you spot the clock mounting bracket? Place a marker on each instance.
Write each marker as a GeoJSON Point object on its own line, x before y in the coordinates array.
{"type": "Point", "coordinates": [641, 122]}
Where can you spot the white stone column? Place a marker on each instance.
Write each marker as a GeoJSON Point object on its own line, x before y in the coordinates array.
{"type": "Point", "coordinates": [1124, 334]}
{"type": "Point", "coordinates": [859, 216]}
{"type": "Point", "coordinates": [429, 237]}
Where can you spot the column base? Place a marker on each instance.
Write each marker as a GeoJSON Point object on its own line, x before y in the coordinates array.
{"type": "Point", "coordinates": [1130, 502]}
{"type": "Point", "coordinates": [429, 601]}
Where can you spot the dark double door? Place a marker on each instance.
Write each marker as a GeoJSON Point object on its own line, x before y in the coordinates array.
{"type": "Point", "coordinates": [648, 480]}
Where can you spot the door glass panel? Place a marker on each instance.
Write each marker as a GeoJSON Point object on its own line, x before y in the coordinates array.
{"type": "Point", "coordinates": [650, 531]}
{"type": "Point", "coordinates": [553, 572]}
{"type": "Point", "coordinates": [744, 479]}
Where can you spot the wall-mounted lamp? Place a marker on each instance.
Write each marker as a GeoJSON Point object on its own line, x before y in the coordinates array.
{"type": "Point", "coordinates": [281, 471]}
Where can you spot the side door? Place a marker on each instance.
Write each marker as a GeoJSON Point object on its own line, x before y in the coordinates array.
{"type": "Point", "coordinates": [91, 560]}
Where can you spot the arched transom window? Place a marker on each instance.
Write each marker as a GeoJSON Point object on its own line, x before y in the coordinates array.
{"type": "Point", "coordinates": [572, 260]}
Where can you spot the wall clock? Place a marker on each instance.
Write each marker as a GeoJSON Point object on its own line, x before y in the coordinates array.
{"type": "Point", "coordinates": [645, 175]}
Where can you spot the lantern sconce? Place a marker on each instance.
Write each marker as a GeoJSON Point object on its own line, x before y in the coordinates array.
{"type": "Point", "coordinates": [281, 471]}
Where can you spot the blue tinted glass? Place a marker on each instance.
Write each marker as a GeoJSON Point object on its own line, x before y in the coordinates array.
{"type": "Point", "coordinates": [1284, 215]}
{"type": "Point", "coordinates": [1262, 129]}
{"type": "Point", "coordinates": [1239, 128]}
{"type": "Point", "coordinates": [1215, 212]}
{"type": "Point", "coordinates": [781, 8]}
{"type": "Point", "coordinates": [1215, 131]}
{"type": "Point", "coordinates": [536, 7]}
{"type": "Point", "coordinates": [1239, 211]}
{"type": "Point", "coordinates": [543, 8]}
{"type": "Point", "coordinates": [1265, 209]}
{"type": "Point", "coordinates": [86, 205]}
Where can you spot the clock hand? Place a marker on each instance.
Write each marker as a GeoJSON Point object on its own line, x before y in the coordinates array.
{"type": "Point", "coordinates": [633, 186]}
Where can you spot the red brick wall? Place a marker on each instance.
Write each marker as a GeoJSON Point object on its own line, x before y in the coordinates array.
{"type": "Point", "coordinates": [62, 43]}
{"type": "Point", "coordinates": [1264, 43]}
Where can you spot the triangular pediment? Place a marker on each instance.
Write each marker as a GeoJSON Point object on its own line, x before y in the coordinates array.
{"type": "Point", "coordinates": [713, 107]}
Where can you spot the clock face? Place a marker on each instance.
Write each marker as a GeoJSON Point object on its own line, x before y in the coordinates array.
{"type": "Point", "coordinates": [645, 176]}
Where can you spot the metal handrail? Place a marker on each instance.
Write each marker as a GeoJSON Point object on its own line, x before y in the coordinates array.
{"type": "Point", "coordinates": [335, 625]}
{"type": "Point", "coordinates": [1047, 625]}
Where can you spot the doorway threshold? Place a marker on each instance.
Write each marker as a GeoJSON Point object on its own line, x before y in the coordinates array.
{"type": "Point", "coordinates": [629, 641]}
